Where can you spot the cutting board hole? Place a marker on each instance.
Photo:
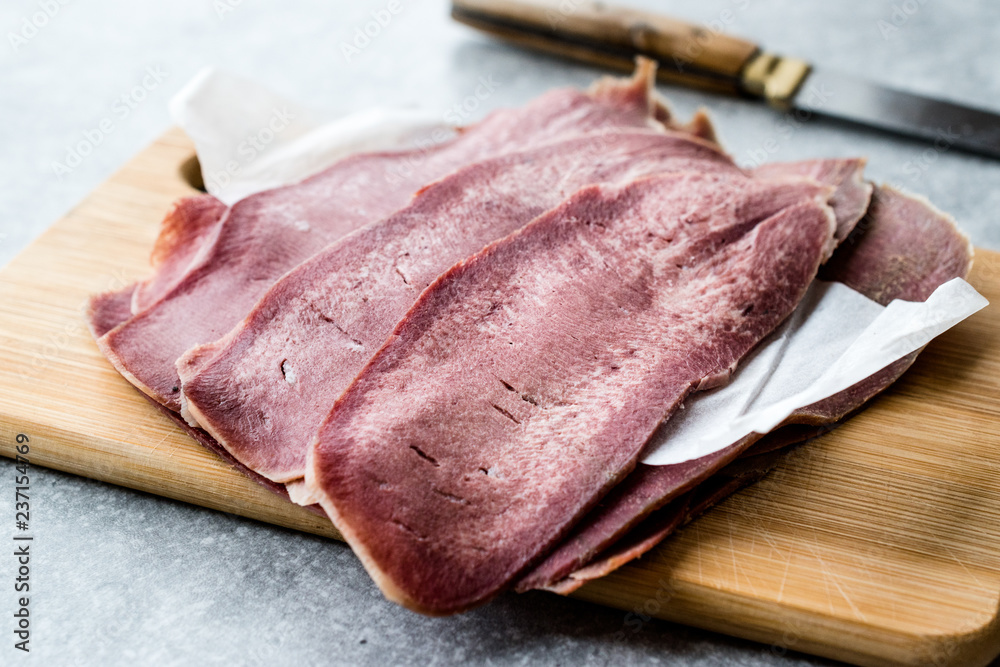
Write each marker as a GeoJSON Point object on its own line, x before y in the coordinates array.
{"type": "Point", "coordinates": [191, 173]}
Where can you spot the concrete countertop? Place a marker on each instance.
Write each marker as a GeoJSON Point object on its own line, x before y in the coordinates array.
{"type": "Point", "coordinates": [121, 577]}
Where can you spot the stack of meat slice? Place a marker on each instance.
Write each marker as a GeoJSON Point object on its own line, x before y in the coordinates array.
{"type": "Point", "coordinates": [210, 276]}
{"type": "Point", "coordinates": [460, 353]}
{"type": "Point", "coordinates": [213, 263]}
{"type": "Point", "coordinates": [904, 249]}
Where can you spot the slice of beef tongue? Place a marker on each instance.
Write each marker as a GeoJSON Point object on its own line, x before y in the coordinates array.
{"type": "Point", "coordinates": [263, 236]}
{"type": "Point", "coordinates": [853, 194]}
{"type": "Point", "coordinates": [263, 390]}
{"type": "Point", "coordinates": [526, 380]}
{"type": "Point", "coordinates": [663, 522]}
{"type": "Point", "coordinates": [188, 228]}
{"type": "Point", "coordinates": [107, 310]}
{"type": "Point", "coordinates": [644, 491]}
{"type": "Point", "coordinates": [904, 248]}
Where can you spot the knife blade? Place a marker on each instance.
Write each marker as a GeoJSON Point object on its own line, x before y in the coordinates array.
{"type": "Point", "coordinates": [944, 124]}
{"type": "Point", "coordinates": [704, 58]}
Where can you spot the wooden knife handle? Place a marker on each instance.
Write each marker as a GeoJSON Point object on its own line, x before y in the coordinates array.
{"type": "Point", "coordinates": [612, 36]}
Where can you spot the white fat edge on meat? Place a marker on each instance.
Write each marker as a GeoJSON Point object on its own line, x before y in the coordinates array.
{"type": "Point", "coordinates": [186, 413]}
{"type": "Point", "coordinates": [300, 494]}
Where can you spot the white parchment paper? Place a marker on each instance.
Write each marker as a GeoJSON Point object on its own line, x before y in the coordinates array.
{"type": "Point", "coordinates": [835, 338]}
{"type": "Point", "coordinates": [249, 139]}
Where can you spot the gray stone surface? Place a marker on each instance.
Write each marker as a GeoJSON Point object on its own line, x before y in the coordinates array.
{"type": "Point", "coordinates": [120, 577]}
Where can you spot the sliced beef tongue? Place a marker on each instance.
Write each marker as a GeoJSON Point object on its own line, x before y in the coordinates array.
{"type": "Point", "coordinates": [853, 194]}
{"type": "Point", "coordinates": [526, 380]}
{"type": "Point", "coordinates": [188, 228]}
{"type": "Point", "coordinates": [643, 491]}
{"type": "Point", "coordinates": [263, 236]}
{"type": "Point", "coordinates": [263, 390]}
{"type": "Point", "coordinates": [664, 521]}
{"type": "Point", "coordinates": [107, 310]}
{"type": "Point", "coordinates": [903, 249]}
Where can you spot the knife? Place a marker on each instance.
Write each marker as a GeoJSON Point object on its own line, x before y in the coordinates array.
{"type": "Point", "coordinates": [704, 58]}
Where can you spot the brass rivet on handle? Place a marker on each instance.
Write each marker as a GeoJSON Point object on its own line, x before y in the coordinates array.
{"type": "Point", "coordinates": [775, 78]}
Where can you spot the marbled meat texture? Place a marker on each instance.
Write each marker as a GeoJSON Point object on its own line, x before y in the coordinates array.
{"type": "Point", "coordinates": [853, 194]}
{"type": "Point", "coordinates": [261, 237]}
{"type": "Point", "coordinates": [526, 380]}
{"type": "Point", "coordinates": [263, 390]}
{"type": "Point", "coordinates": [904, 248]}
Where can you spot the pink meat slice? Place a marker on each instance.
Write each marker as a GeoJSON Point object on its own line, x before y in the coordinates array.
{"type": "Point", "coordinates": [853, 193]}
{"type": "Point", "coordinates": [839, 173]}
{"type": "Point", "coordinates": [263, 236]}
{"type": "Point", "coordinates": [666, 520]}
{"type": "Point", "coordinates": [644, 490]}
{"type": "Point", "coordinates": [903, 249]}
{"type": "Point", "coordinates": [525, 381]}
{"type": "Point", "coordinates": [263, 390]}
{"type": "Point", "coordinates": [191, 225]}
{"type": "Point", "coordinates": [107, 310]}
{"type": "Point", "coordinates": [188, 228]}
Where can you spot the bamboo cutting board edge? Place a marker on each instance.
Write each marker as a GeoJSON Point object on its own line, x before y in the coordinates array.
{"type": "Point", "coordinates": [84, 419]}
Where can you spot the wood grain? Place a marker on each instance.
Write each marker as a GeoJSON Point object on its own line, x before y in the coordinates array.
{"type": "Point", "coordinates": [877, 544]}
{"type": "Point", "coordinates": [611, 36]}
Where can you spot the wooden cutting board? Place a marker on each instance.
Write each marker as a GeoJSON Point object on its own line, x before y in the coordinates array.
{"type": "Point", "coordinates": [878, 543]}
